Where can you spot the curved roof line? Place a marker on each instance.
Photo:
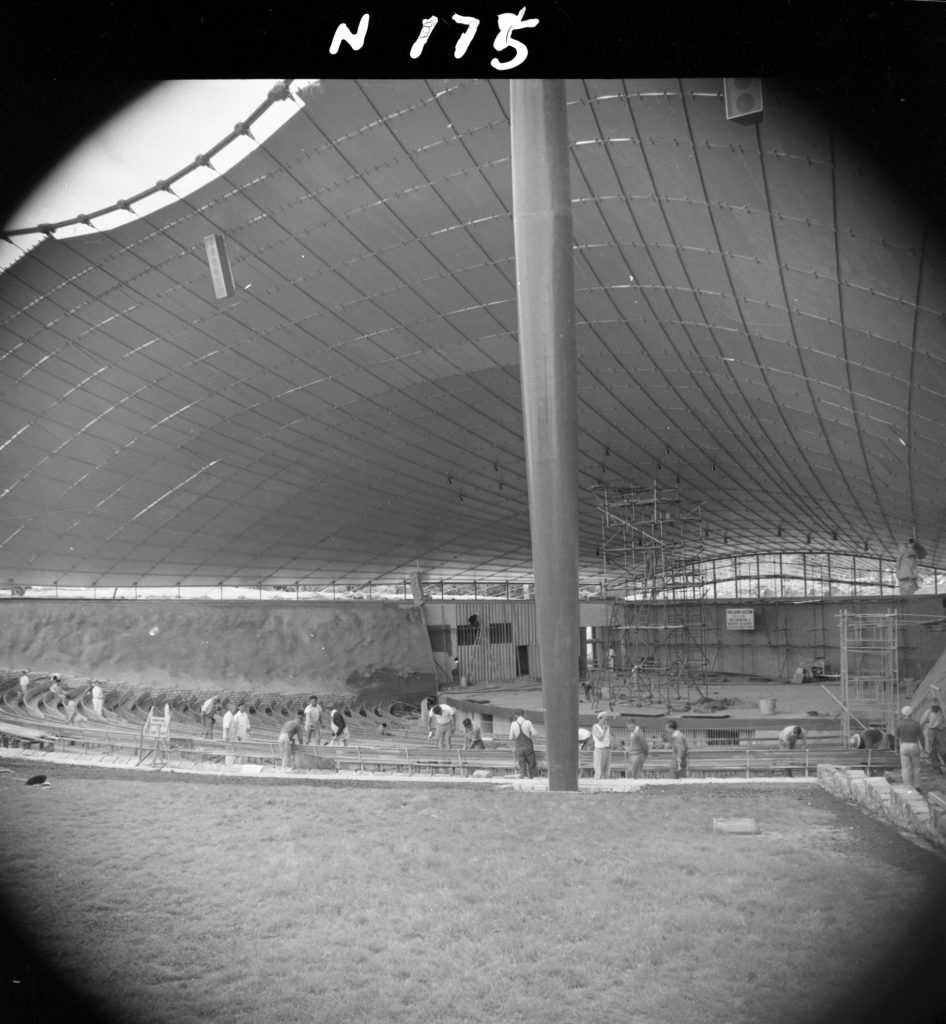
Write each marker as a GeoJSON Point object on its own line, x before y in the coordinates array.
{"type": "Point", "coordinates": [279, 92]}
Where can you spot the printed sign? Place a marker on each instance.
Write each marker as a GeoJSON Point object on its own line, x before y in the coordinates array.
{"type": "Point", "coordinates": [740, 618]}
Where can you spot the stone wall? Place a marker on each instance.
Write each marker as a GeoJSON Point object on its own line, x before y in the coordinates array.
{"type": "Point", "coordinates": [901, 806]}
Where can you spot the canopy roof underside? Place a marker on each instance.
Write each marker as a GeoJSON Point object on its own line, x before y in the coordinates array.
{"type": "Point", "coordinates": [760, 324]}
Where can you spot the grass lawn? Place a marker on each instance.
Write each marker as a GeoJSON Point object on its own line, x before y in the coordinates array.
{"type": "Point", "coordinates": [180, 901]}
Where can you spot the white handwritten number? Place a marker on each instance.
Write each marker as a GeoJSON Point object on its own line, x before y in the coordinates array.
{"type": "Point", "coordinates": [472, 24]}
{"type": "Point", "coordinates": [509, 23]}
{"type": "Point", "coordinates": [421, 41]}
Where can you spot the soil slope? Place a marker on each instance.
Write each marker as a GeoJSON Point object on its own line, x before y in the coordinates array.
{"type": "Point", "coordinates": [285, 647]}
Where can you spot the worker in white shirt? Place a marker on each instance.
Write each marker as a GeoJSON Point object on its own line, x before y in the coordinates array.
{"type": "Point", "coordinates": [601, 733]}
{"type": "Point", "coordinates": [241, 724]}
{"type": "Point", "coordinates": [790, 735]}
{"type": "Point", "coordinates": [228, 723]}
{"type": "Point", "coordinates": [441, 719]}
{"type": "Point", "coordinates": [98, 699]}
{"type": "Point", "coordinates": [313, 721]}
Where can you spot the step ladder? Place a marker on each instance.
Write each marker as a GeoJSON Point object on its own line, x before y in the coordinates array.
{"type": "Point", "coordinates": [482, 646]}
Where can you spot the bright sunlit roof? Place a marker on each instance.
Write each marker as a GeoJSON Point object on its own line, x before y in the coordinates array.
{"type": "Point", "coordinates": [150, 141]}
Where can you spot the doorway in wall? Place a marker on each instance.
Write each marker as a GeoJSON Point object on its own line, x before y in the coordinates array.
{"type": "Point", "coordinates": [522, 660]}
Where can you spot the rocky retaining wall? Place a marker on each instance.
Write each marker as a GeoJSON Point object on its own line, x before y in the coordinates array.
{"type": "Point", "coordinates": [901, 806]}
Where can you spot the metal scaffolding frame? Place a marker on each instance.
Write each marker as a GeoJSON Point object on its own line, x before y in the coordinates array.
{"type": "Point", "coordinates": [870, 670]}
{"type": "Point", "coordinates": [654, 648]}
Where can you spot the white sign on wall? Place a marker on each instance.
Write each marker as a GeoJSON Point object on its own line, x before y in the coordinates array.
{"type": "Point", "coordinates": [740, 618]}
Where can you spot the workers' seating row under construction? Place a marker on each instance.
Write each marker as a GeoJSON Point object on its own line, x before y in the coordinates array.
{"type": "Point", "coordinates": [41, 721]}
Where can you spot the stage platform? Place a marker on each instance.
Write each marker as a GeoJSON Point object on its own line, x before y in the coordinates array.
{"type": "Point", "coordinates": [745, 699]}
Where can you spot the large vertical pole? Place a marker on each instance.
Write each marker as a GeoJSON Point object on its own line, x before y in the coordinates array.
{"type": "Point", "coordinates": [542, 218]}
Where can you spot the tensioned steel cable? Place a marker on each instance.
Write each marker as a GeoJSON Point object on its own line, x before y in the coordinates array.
{"type": "Point", "coordinates": [733, 415]}
{"type": "Point", "coordinates": [805, 376]}
{"type": "Point", "coordinates": [843, 330]}
{"type": "Point", "coordinates": [158, 266]}
{"type": "Point", "coordinates": [714, 485]}
{"type": "Point", "coordinates": [798, 486]}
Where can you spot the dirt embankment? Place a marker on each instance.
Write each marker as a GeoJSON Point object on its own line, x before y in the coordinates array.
{"type": "Point", "coordinates": [324, 646]}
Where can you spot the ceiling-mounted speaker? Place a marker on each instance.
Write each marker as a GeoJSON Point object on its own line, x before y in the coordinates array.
{"type": "Point", "coordinates": [219, 263]}
{"type": "Point", "coordinates": [743, 99]}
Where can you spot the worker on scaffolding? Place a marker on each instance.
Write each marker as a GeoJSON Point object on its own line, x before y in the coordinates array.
{"type": "Point", "coordinates": [907, 575]}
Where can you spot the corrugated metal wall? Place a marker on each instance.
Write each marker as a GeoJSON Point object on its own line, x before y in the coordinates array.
{"type": "Point", "coordinates": [490, 654]}
{"type": "Point", "coordinates": [786, 634]}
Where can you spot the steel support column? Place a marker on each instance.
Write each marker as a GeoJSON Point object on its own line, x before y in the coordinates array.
{"type": "Point", "coordinates": [545, 286]}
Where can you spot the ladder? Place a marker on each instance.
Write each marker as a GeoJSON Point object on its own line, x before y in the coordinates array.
{"type": "Point", "coordinates": [483, 646]}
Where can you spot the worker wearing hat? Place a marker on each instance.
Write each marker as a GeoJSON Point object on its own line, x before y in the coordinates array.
{"type": "Point", "coordinates": [909, 734]}
{"type": "Point", "coordinates": [601, 734]}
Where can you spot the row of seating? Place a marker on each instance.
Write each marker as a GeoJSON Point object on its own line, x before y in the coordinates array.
{"type": "Point", "coordinates": [748, 762]}
{"type": "Point", "coordinates": [44, 717]}
{"type": "Point", "coordinates": [268, 712]}
{"type": "Point", "coordinates": [41, 720]}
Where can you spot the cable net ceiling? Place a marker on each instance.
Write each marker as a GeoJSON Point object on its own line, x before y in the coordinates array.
{"type": "Point", "coordinates": [760, 324]}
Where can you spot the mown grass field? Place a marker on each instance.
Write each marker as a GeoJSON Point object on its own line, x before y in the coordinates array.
{"type": "Point", "coordinates": [168, 902]}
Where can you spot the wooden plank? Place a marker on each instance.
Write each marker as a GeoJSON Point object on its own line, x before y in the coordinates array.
{"type": "Point", "coordinates": [24, 733]}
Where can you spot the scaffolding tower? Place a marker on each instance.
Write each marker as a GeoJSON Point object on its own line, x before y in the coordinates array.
{"type": "Point", "coordinates": [654, 648]}
{"type": "Point", "coordinates": [870, 675]}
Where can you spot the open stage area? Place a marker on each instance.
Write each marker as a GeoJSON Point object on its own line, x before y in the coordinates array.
{"type": "Point", "coordinates": [252, 902]}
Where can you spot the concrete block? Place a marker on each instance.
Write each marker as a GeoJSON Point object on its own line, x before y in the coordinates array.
{"type": "Point", "coordinates": [741, 826]}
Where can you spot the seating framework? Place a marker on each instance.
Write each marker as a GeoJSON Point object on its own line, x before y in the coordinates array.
{"type": "Point", "coordinates": [127, 734]}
